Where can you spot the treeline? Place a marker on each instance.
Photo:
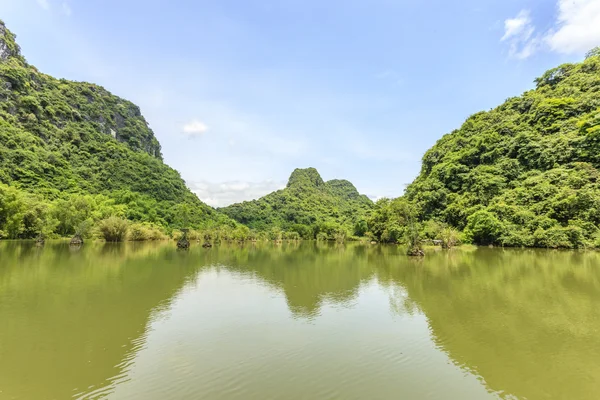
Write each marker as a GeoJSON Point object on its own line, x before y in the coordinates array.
{"type": "Point", "coordinates": [118, 217]}
{"type": "Point", "coordinates": [25, 215]}
{"type": "Point", "coordinates": [390, 222]}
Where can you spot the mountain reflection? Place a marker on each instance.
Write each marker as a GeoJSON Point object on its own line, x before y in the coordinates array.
{"type": "Point", "coordinates": [70, 318]}
{"type": "Point", "coordinates": [524, 321]}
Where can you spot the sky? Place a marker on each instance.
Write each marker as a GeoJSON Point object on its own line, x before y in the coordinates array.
{"type": "Point", "coordinates": [241, 92]}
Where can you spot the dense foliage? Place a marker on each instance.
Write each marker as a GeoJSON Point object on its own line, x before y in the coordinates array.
{"type": "Point", "coordinates": [525, 173]}
{"type": "Point", "coordinates": [308, 206]}
{"type": "Point", "coordinates": [75, 159]}
{"type": "Point", "coordinates": [62, 140]}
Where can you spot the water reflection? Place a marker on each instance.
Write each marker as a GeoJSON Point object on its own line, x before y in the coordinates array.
{"type": "Point", "coordinates": [77, 323]}
{"type": "Point", "coordinates": [70, 318]}
{"type": "Point", "coordinates": [525, 320]}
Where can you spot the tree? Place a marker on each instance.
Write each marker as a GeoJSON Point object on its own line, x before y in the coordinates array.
{"type": "Point", "coordinates": [595, 52]}
{"type": "Point", "coordinates": [484, 228]}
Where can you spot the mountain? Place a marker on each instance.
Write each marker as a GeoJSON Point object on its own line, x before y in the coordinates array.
{"type": "Point", "coordinates": [525, 173]}
{"type": "Point", "coordinates": [60, 138]}
{"type": "Point", "coordinates": [307, 205]}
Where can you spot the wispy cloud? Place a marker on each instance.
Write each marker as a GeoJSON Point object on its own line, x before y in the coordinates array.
{"type": "Point", "coordinates": [519, 27]}
{"type": "Point", "coordinates": [66, 9]}
{"type": "Point", "coordinates": [44, 4]}
{"type": "Point", "coordinates": [227, 193]}
{"type": "Point", "coordinates": [518, 32]}
{"type": "Point", "coordinates": [194, 129]}
{"type": "Point", "coordinates": [575, 30]}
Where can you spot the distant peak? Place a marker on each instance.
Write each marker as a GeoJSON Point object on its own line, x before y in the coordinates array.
{"type": "Point", "coordinates": [344, 188]}
{"type": "Point", "coordinates": [305, 177]}
{"type": "Point", "coordinates": [342, 184]}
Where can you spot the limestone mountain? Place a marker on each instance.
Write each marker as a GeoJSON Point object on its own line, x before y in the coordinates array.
{"type": "Point", "coordinates": [59, 136]}
{"type": "Point", "coordinates": [307, 205]}
{"type": "Point", "coordinates": [526, 173]}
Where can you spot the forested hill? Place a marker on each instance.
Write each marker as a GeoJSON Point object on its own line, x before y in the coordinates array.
{"type": "Point", "coordinates": [59, 137]}
{"type": "Point", "coordinates": [525, 173]}
{"type": "Point", "coordinates": [309, 206]}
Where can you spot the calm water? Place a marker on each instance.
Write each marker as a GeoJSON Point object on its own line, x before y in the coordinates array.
{"type": "Point", "coordinates": [297, 321]}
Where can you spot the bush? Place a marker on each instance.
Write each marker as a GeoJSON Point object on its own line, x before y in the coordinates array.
{"type": "Point", "coordinates": [194, 235]}
{"type": "Point", "coordinates": [595, 242]}
{"type": "Point", "coordinates": [450, 237]}
{"type": "Point", "coordinates": [292, 236]}
{"type": "Point", "coordinates": [156, 233]}
{"type": "Point", "coordinates": [340, 236]}
{"type": "Point", "coordinates": [559, 237]}
{"type": "Point", "coordinates": [484, 228]}
{"type": "Point", "coordinates": [138, 233]}
{"type": "Point", "coordinates": [322, 237]}
{"type": "Point", "coordinates": [517, 237]}
{"type": "Point", "coordinates": [113, 229]}
{"type": "Point", "coordinates": [275, 234]}
{"type": "Point", "coordinates": [145, 231]}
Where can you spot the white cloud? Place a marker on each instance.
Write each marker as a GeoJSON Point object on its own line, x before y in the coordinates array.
{"type": "Point", "coordinates": [66, 9]}
{"type": "Point", "coordinates": [576, 30]}
{"type": "Point", "coordinates": [194, 128]}
{"type": "Point", "coordinates": [519, 27]}
{"type": "Point", "coordinates": [578, 27]}
{"type": "Point", "coordinates": [226, 193]}
{"type": "Point", "coordinates": [44, 4]}
{"type": "Point", "coordinates": [518, 32]}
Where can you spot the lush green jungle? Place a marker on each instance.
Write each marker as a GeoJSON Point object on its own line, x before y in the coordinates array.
{"type": "Point", "coordinates": [77, 160]}
{"type": "Point", "coordinates": [308, 206]}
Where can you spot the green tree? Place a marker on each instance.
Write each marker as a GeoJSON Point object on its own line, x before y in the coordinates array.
{"type": "Point", "coordinates": [484, 228]}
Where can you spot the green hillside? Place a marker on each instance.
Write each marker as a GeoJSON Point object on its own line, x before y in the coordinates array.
{"type": "Point", "coordinates": [76, 142]}
{"type": "Point", "coordinates": [525, 173]}
{"type": "Point", "coordinates": [307, 205]}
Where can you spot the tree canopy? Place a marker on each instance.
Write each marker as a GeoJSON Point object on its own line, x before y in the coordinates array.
{"type": "Point", "coordinates": [309, 206]}
{"type": "Point", "coordinates": [526, 172]}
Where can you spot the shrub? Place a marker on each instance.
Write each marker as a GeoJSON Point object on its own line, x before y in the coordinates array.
{"type": "Point", "coordinates": [559, 237]}
{"type": "Point", "coordinates": [484, 228]}
{"type": "Point", "coordinates": [450, 237]}
{"type": "Point", "coordinates": [113, 229]}
{"type": "Point", "coordinates": [292, 236]}
{"type": "Point", "coordinates": [241, 233]}
{"type": "Point", "coordinates": [596, 241]}
{"type": "Point", "coordinates": [322, 237]}
{"type": "Point", "coordinates": [84, 228]}
{"type": "Point", "coordinates": [517, 237]}
{"type": "Point", "coordinates": [340, 236]}
{"type": "Point", "coordinates": [156, 233]}
{"type": "Point", "coordinates": [139, 232]}
{"type": "Point", "coordinates": [194, 235]}
{"type": "Point", "coordinates": [276, 234]}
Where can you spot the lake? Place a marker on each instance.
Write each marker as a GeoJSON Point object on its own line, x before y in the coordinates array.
{"type": "Point", "coordinates": [297, 321]}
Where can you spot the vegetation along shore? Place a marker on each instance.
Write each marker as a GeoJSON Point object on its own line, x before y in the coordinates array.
{"type": "Point", "coordinates": [77, 161]}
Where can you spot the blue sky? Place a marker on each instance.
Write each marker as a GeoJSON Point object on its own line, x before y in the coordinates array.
{"type": "Point", "coordinates": [239, 93]}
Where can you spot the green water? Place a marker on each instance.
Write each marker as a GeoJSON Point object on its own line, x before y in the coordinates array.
{"type": "Point", "coordinates": [297, 321]}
